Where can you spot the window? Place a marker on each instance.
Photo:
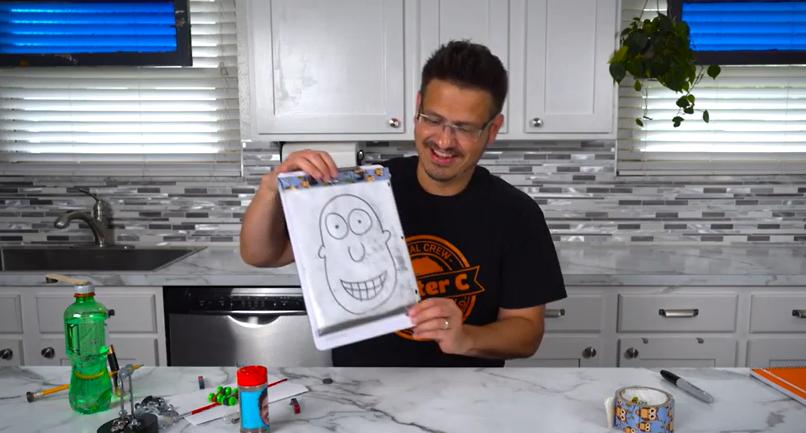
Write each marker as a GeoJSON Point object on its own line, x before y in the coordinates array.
{"type": "Point", "coordinates": [129, 121]}
{"type": "Point", "coordinates": [757, 120]}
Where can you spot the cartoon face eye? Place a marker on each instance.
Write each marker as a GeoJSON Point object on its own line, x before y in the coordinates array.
{"type": "Point", "coordinates": [360, 222]}
{"type": "Point", "coordinates": [336, 226]}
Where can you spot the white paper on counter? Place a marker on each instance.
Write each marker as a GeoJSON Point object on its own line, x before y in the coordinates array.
{"type": "Point", "coordinates": [184, 403]}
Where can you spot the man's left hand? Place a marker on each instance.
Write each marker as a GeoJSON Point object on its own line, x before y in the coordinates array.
{"type": "Point", "coordinates": [440, 319]}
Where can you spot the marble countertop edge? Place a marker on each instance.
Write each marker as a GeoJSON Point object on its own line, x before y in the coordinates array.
{"type": "Point", "coordinates": [582, 265]}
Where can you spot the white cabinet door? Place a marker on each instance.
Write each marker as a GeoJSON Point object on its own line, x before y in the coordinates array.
{"type": "Point", "coordinates": [482, 21]}
{"type": "Point", "coordinates": [327, 67]}
{"type": "Point", "coordinates": [564, 351]}
{"type": "Point", "coordinates": [568, 87]}
{"type": "Point", "coordinates": [776, 352]}
{"type": "Point", "coordinates": [670, 352]}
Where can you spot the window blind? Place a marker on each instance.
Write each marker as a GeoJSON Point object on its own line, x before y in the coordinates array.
{"type": "Point", "coordinates": [757, 120]}
{"type": "Point", "coordinates": [129, 121]}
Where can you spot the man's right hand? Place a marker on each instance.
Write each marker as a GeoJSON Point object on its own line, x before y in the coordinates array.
{"type": "Point", "coordinates": [315, 163]}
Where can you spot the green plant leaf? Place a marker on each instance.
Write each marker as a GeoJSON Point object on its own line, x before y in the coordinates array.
{"type": "Point", "coordinates": [636, 42]}
{"type": "Point", "coordinates": [690, 98]}
{"type": "Point", "coordinates": [639, 122]}
{"type": "Point", "coordinates": [618, 56]}
{"type": "Point", "coordinates": [637, 86]}
{"type": "Point", "coordinates": [714, 70]}
{"type": "Point", "coordinates": [706, 117]}
{"type": "Point", "coordinates": [682, 102]}
{"type": "Point", "coordinates": [677, 121]}
{"type": "Point", "coordinates": [688, 110]}
{"type": "Point", "coordinates": [617, 71]}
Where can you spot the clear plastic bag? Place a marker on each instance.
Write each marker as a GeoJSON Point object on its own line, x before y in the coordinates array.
{"type": "Point", "coordinates": [351, 254]}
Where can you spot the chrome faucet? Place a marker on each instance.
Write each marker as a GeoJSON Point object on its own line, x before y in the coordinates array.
{"type": "Point", "coordinates": [98, 221]}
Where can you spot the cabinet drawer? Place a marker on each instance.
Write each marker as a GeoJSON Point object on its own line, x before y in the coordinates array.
{"type": "Point", "coordinates": [10, 314]}
{"type": "Point", "coordinates": [674, 313]}
{"type": "Point", "coordinates": [775, 352]}
{"type": "Point", "coordinates": [133, 312]}
{"type": "Point", "coordinates": [563, 351]}
{"type": "Point", "coordinates": [778, 313]}
{"type": "Point", "coordinates": [577, 313]}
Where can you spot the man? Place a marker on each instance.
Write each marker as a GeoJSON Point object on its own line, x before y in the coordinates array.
{"type": "Point", "coordinates": [482, 252]}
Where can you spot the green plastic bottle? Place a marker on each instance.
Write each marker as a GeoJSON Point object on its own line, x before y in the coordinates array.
{"type": "Point", "coordinates": [85, 343]}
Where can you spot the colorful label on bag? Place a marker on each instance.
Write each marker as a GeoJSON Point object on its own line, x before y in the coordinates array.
{"type": "Point", "coordinates": [254, 409]}
{"type": "Point", "coordinates": [370, 173]}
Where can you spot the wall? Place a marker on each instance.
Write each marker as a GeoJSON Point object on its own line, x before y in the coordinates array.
{"type": "Point", "coordinates": [574, 184]}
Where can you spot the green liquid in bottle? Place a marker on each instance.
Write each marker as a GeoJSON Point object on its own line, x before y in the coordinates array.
{"type": "Point", "coordinates": [85, 343]}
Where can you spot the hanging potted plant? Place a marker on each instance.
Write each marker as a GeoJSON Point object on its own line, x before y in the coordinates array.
{"type": "Point", "coordinates": [659, 50]}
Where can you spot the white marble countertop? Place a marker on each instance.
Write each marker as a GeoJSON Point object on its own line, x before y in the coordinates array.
{"type": "Point", "coordinates": [541, 400]}
{"type": "Point", "coordinates": [582, 264]}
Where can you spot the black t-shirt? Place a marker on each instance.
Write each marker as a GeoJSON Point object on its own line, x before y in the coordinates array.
{"type": "Point", "coordinates": [487, 247]}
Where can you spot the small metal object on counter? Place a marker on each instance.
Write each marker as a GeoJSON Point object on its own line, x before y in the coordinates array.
{"type": "Point", "coordinates": [327, 381]}
{"type": "Point", "coordinates": [125, 422]}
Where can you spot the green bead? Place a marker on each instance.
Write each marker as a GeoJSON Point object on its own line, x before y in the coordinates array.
{"type": "Point", "coordinates": [227, 391]}
{"type": "Point", "coordinates": [211, 397]}
{"type": "Point", "coordinates": [232, 401]}
{"type": "Point", "coordinates": [217, 390]}
{"type": "Point", "coordinates": [219, 398]}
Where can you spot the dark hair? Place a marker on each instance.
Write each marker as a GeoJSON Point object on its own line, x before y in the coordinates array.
{"type": "Point", "coordinates": [470, 65]}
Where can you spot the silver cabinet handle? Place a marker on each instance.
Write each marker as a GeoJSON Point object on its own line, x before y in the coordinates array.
{"type": "Point", "coordinates": [48, 352]}
{"type": "Point", "coordinates": [800, 314]}
{"type": "Point", "coordinates": [683, 312]}
{"type": "Point", "coordinates": [631, 353]}
{"type": "Point", "coordinates": [537, 122]}
{"type": "Point", "coordinates": [394, 123]}
{"type": "Point", "coordinates": [553, 314]}
{"type": "Point", "coordinates": [6, 354]}
{"type": "Point", "coordinates": [588, 353]}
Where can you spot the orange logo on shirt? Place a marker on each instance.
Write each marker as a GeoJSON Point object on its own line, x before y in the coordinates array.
{"type": "Point", "coordinates": [442, 270]}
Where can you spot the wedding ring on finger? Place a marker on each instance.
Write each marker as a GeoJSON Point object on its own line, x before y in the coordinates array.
{"type": "Point", "coordinates": [446, 325]}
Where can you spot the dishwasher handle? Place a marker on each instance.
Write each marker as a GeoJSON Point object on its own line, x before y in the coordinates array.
{"type": "Point", "coordinates": [258, 320]}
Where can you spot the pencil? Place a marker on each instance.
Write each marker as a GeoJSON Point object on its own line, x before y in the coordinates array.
{"type": "Point", "coordinates": [34, 396]}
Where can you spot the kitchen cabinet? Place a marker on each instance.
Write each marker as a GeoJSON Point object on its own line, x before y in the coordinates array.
{"type": "Point", "coordinates": [668, 352]}
{"type": "Point", "coordinates": [31, 324]}
{"type": "Point", "coordinates": [11, 328]}
{"type": "Point", "coordinates": [567, 87]}
{"type": "Point", "coordinates": [323, 68]}
{"type": "Point", "coordinates": [314, 70]}
{"type": "Point", "coordinates": [657, 327]}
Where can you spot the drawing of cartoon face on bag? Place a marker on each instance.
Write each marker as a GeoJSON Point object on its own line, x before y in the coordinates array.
{"type": "Point", "coordinates": [359, 266]}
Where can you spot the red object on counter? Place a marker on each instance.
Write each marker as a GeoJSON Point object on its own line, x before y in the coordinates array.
{"type": "Point", "coordinates": [295, 403]}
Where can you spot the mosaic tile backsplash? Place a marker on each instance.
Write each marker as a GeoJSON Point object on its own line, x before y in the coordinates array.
{"type": "Point", "coordinates": [574, 184]}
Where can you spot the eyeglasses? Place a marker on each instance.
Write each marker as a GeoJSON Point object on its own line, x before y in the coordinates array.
{"type": "Point", "coordinates": [463, 133]}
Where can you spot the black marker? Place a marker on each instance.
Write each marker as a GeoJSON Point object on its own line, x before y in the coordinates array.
{"type": "Point", "coordinates": [686, 386]}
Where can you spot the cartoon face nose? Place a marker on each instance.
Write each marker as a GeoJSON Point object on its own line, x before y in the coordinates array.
{"type": "Point", "coordinates": [357, 252]}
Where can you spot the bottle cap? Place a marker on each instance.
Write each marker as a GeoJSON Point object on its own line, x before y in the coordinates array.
{"type": "Point", "coordinates": [84, 289]}
{"type": "Point", "coordinates": [252, 375]}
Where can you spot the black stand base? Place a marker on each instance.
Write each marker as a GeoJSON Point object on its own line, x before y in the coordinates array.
{"type": "Point", "coordinates": [148, 424]}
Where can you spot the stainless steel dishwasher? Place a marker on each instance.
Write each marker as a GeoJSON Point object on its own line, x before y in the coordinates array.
{"type": "Point", "coordinates": [228, 326]}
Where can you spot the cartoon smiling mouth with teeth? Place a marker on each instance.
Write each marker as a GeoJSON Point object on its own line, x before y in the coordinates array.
{"type": "Point", "coordinates": [359, 265]}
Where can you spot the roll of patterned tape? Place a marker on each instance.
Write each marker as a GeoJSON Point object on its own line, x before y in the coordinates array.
{"type": "Point", "coordinates": [641, 409]}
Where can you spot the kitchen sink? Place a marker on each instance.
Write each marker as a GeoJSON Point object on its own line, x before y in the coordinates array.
{"type": "Point", "coordinates": [90, 258]}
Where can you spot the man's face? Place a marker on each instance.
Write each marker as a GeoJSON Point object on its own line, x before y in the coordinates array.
{"type": "Point", "coordinates": [446, 154]}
